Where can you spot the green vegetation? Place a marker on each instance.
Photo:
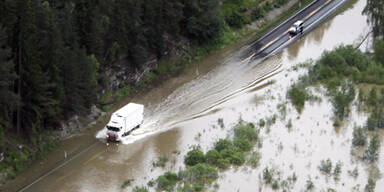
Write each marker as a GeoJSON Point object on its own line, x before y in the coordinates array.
{"type": "Point", "coordinates": [297, 95]}
{"type": "Point", "coordinates": [370, 186]}
{"type": "Point", "coordinates": [140, 189]}
{"type": "Point", "coordinates": [167, 181]}
{"type": "Point", "coordinates": [194, 157]}
{"type": "Point", "coordinates": [309, 186]}
{"type": "Point", "coordinates": [254, 159]}
{"type": "Point", "coordinates": [267, 175]}
{"type": "Point", "coordinates": [359, 136]}
{"type": "Point", "coordinates": [202, 169]}
{"type": "Point", "coordinates": [337, 170]}
{"type": "Point", "coordinates": [127, 183]}
{"type": "Point", "coordinates": [160, 161]}
{"type": "Point", "coordinates": [325, 166]}
{"type": "Point", "coordinates": [371, 154]}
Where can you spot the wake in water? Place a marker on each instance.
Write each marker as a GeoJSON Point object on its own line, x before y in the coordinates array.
{"type": "Point", "coordinates": [201, 96]}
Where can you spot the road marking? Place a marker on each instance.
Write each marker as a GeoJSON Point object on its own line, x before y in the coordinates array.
{"type": "Point", "coordinates": [93, 157]}
{"type": "Point", "coordinates": [269, 43]}
{"type": "Point", "coordinates": [316, 10]}
{"type": "Point", "coordinates": [248, 57]}
{"type": "Point", "coordinates": [56, 168]}
{"type": "Point", "coordinates": [64, 176]}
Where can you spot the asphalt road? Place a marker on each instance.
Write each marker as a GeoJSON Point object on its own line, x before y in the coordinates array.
{"type": "Point", "coordinates": [278, 38]}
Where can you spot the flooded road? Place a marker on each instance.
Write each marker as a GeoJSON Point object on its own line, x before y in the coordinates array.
{"type": "Point", "coordinates": [228, 88]}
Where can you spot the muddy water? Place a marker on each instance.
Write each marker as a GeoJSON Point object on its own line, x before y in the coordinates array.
{"type": "Point", "coordinates": [176, 119]}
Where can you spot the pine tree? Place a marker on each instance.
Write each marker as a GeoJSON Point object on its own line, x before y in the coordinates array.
{"type": "Point", "coordinates": [32, 81]}
{"type": "Point", "coordinates": [374, 10]}
{"type": "Point", "coordinates": [8, 99]}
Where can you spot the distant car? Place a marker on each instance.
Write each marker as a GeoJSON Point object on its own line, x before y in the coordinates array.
{"type": "Point", "coordinates": [296, 28]}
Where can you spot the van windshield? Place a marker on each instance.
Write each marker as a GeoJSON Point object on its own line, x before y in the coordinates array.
{"type": "Point", "coordinates": [113, 128]}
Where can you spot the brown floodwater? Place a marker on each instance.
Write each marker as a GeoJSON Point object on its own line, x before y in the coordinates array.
{"type": "Point", "coordinates": [184, 111]}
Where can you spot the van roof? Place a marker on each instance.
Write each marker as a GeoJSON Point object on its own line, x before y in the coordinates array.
{"type": "Point", "coordinates": [128, 109]}
{"type": "Point", "coordinates": [297, 23]}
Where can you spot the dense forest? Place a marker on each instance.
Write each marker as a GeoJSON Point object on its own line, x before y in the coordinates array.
{"type": "Point", "coordinates": [54, 53]}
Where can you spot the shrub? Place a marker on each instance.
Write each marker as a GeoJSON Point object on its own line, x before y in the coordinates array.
{"type": "Point", "coordinates": [237, 158]}
{"type": "Point", "coordinates": [192, 188]}
{"type": "Point", "coordinates": [371, 154]}
{"type": "Point", "coordinates": [200, 173]}
{"type": "Point", "coordinates": [372, 97]}
{"type": "Point", "coordinates": [342, 99]}
{"type": "Point", "coordinates": [167, 181]}
{"type": "Point", "coordinates": [370, 186]}
{"type": "Point", "coordinates": [261, 123]}
{"type": "Point", "coordinates": [337, 170]}
{"type": "Point", "coordinates": [140, 189]}
{"type": "Point", "coordinates": [254, 159]}
{"type": "Point", "coordinates": [194, 157]}
{"type": "Point", "coordinates": [127, 183]}
{"type": "Point", "coordinates": [212, 156]}
{"type": "Point", "coordinates": [223, 163]}
{"type": "Point", "coordinates": [247, 131]}
{"type": "Point", "coordinates": [257, 13]}
{"type": "Point", "coordinates": [297, 95]}
{"type": "Point", "coordinates": [267, 175]}
{"type": "Point", "coordinates": [359, 136]}
{"type": "Point", "coordinates": [325, 166]}
{"type": "Point", "coordinates": [309, 185]}
{"type": "Point", "coordinates": [223, 144]}
{"type": "Point", "coordinates": [275, 185]}
{"type": "Point", "coordinates": [160, 161]}
{"type": "Point", "coordinates": [243, 144]}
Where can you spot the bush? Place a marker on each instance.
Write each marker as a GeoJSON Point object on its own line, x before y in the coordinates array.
{"type": "Point", "coordinates": [257, 13]}
{"type": "Point", "coordinates": [243, 144]}
{"type": "Point", "coordinates": [223, 163]}
{"type": "Point", "coordinates": [194, 157]}
{"type": "Point", "coordinates": [309, 185]}
{"type": "Point", "coordinates": [342, 98]}
{"type": "Point", "coordinates": [212, 157]}
{"type": "Point", "coordinates": [160, 161]}
{"type": "Point", "coordinates": [254, 159]}
{"type": "Point", "coordinates": [237, 158]}
{"type": "Point", "coordinates": [370, 186]}
{"type": "Point", "coordinates": [359, 136]}
{"type": "Point", "coordinates": [325, 166]}
{"type": "Point", "coordinates": [337, 170]}
{"type": "Point", "coordinates": [200, 173]}
{"type": "Point", "coordinates": [261, 123]}
{"type": "Point", "coordinates": [371, 154]}
{"type": "Point", "coordinates": [192, 188]}
{"type": "Point", "coordinates": [372, 97]}
{"type": "Point", "coordinates": [267, 175]}
{"type": "Point", "coordinates": [127, 183]}
{"type": "Point", "coordinates": [223, 144]}
{"type": "Point", "coordinates": [140, 189]}
{"type": "Point", "coordinates": [247, 131]}
{"type": "Point", "coordinates": [167, 181]}
{"type": "Point", "coordinates": [297, 95]}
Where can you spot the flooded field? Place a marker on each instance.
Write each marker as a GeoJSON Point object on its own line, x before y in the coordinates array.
{"type": "Point", "coordinates": [176, 120]}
